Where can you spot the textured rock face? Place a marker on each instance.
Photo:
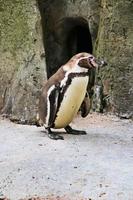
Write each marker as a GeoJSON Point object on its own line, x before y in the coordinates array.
{"type": "Point", "coordinates": [115, 43]}
{"type": "Point", "coordinates": [68, 28]}
{"type": "Point", "coordinates": [22, 55]}
{"type": "Point", "coordinates": [22, 67]}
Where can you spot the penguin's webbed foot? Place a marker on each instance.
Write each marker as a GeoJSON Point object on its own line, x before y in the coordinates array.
{"type": "Point", "coordinates": [53, 136]}
{"type": "Point", "coordinates": [69, 130]}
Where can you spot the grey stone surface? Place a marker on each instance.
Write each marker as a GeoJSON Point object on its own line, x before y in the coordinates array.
{"type": "Point", "coordinates": [60, 19]}
{"type": "Point", "coordinates": [23, 59]}
{"type": "Point", "coordinates": [22, 65]}
{"type": "Point", "coordinates": [115, 44]}
{"type": "Point", "coordinates": [95, 166]}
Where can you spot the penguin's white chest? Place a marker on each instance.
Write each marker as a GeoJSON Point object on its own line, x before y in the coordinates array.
{"type": "Point", "coordinates": [71, 102]}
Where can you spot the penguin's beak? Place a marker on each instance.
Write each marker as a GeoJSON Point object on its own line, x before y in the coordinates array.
{"type": "Point", "coordinates": [100, 63]}
{"type": "Point", "coordinates": [103, 63]}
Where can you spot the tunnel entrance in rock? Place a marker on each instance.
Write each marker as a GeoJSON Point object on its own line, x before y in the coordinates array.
{"type": "Point", "coordinates": [78, 38]}
{"type": "Point", "coordinates": [71, 36]}
{"type": "Point", "coordinates": [63, 37]}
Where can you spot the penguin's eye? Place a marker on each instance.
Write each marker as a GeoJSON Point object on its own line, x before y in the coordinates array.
{"type": "Point", "coordinates": [91, 57]}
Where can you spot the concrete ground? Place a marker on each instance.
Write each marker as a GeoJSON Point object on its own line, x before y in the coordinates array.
{"type": "Point", "coordinates": [96, 166]}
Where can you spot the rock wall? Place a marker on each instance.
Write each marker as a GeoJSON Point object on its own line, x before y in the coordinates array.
{"type": "Point", "coordinates": [22, 65]}
{"type": "Point", "coordinates": [115, 44]}
{"type": "Point", "coordinates": [66, 26]}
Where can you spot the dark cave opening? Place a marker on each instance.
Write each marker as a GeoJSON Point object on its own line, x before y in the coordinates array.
{"type": "Point", "coordinates": [63, 37]}
{"type": "Point", "coordinates": [79, 40]}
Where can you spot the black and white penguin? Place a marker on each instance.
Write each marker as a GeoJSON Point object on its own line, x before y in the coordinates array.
{"type": "Point", "coordinates": [65, 92]}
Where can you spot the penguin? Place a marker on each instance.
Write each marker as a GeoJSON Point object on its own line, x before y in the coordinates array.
{"type": "Point", "coordinates": [65, 93]}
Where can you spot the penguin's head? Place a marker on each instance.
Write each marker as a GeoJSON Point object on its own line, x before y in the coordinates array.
{"type": "Point", "coordinates": [83, 62]}
{"type": "Point", "coordinates": [89, 61]}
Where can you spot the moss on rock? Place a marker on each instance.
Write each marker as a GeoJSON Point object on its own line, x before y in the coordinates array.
{"type": "Point", "coordinates": [115, 45]}
{"type": "Point", "coordinates": [22, 68]}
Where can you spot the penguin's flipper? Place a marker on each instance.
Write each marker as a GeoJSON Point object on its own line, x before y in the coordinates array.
{"type": "Point", "coordinates": [85, 106]}
{"type": "Point", "coordinates": [53, 105]}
